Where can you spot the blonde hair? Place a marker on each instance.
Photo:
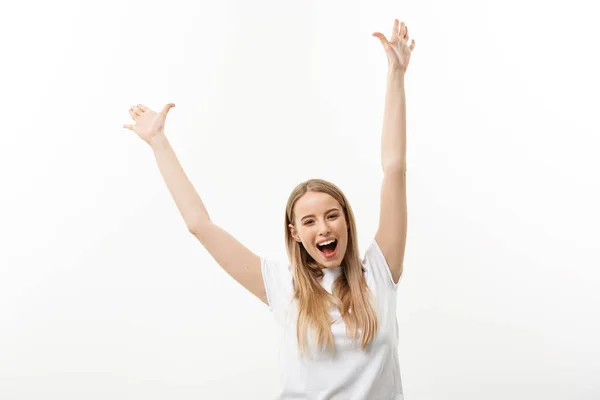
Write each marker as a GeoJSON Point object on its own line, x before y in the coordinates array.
{"type": "Point", "coordinates": [350, 291]}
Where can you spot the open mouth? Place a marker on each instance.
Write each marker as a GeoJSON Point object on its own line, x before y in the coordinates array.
{"type": "Point", "coordinates": [329, 249]}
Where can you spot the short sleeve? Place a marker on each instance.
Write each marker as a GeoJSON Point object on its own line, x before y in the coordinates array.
{"type": "Point", "coordinates": [277, 279]}
{"type": "Point", "coordinates": [375, 262]}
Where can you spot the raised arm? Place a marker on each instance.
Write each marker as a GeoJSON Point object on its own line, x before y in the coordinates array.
{"type": "Point", "coordinates": [239, 262]}
{"type": "Point", "coordinates": [391, 233]}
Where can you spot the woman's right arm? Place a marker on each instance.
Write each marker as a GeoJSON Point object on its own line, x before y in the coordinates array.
{"type": "Point", "coordinates": [239, 262]}
{"type": "Point", "coordinates": [231, 255]}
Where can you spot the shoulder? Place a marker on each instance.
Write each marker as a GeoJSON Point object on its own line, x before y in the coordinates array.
{"type": "Point", "coordinates": [277, 278]}
{"type": "Point", "coordinates": [375, 264]}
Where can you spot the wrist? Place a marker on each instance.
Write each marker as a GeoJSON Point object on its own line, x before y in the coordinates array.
{"type": "Point", "coordinates": [396, 73]}
{"type": "Point", "coordinates": [158, 142]}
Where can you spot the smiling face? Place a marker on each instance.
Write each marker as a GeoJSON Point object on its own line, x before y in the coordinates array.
{"type": "Point", "coordinates": [318, 217]}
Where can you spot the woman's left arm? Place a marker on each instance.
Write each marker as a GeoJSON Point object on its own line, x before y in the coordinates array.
{"type": "Point", "coordinates": [391, 233]}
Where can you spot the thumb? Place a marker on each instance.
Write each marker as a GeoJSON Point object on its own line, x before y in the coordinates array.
{"type": "Point", "coordinates": [127, 126]}
{"type": "Point", "coordinates": [166, 108]}
{"type": "Point", "coordinates": [383, 39]}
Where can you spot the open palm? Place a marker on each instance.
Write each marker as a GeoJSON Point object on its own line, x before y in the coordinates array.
{"type": "Point", "coordinates": [148, 124]}
{"type": "Point", "coordinates": [397, 49]}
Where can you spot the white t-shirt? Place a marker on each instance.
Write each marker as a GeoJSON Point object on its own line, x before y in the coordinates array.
{"type": "Point", "coordinates": [350, 373]}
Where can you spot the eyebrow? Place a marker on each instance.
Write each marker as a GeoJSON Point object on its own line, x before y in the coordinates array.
{"type": "Point", "coordinates": [311, 215]}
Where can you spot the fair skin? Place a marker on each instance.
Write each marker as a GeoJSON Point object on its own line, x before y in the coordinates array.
{"type": "Point", "coordinates": [318, 217]}
{"type": "Point", "coordinates": [237, 260]}
{"type": "Point", "coordinates": [391, 233]}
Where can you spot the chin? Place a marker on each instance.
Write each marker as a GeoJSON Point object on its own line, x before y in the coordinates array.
{"type": "Point", "coordinates": [334, 262]}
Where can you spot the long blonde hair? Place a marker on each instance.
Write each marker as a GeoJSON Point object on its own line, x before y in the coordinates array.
{"type": "Point", "coordinates": [350, 291]}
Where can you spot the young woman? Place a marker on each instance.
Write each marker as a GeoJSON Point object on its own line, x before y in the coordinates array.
{"type": "Point", "coordinates": [338, 310]}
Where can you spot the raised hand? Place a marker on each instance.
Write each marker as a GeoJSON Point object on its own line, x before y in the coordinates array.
{"type": "Point", "coordinates": [149, 124]}
{"type": "Point", "coordinates": [397, 48]}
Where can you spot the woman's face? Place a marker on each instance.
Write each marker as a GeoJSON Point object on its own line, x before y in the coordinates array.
{"type": "Point", "coordinates": [319, 218]}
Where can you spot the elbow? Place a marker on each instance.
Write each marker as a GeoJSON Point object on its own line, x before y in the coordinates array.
{"type": "Point", "coordinates": [396, 167]}
{"type": "Point", "coordinates": [198, 226]}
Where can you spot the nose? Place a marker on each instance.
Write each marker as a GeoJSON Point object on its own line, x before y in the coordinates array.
{"type": "Point", "coordinates": [324, 229]}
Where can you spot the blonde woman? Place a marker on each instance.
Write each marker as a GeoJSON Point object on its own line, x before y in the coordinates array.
{"type": "Point", "coordinates": [338, 310]}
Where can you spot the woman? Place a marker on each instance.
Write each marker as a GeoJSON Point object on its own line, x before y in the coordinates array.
{"type": "Point", "coordinates": [338, 311]}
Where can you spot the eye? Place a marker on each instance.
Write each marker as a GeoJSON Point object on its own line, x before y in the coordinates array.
{"type": "Point", "coordinates": [308, 222]}
{"type": "Point", "coordinates": [333, 216]}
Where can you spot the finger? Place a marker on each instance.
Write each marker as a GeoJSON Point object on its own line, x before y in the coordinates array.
{"type": "Point", "coordinates": [404, 32]}
{"type": "Point", "coordinates": [136, 110]}
{"type": "Point", "coordinates": [142, 107]}
{"type": "Point", "coordinates": [127, 126]}
{"type": "Point", "coordinates": [166, 108]}
{"type": "Point", "coordinates": [412, 45]}
{"type": "Point", "coordinates": [383, 39]}
{"type": "Point", "coordinates": [395, 29]}
{"type": "Point", "coordinates": [133, 113]}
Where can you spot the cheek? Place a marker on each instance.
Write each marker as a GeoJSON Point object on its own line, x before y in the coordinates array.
{"type": "Point", "coordinates": [303, 234]}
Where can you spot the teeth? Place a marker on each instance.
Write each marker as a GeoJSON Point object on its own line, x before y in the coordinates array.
{"type": "Point", "coordinates": [326, 243]}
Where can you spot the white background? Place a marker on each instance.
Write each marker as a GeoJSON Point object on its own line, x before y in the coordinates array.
{"type": "Point", "coordinates": [104, 294]}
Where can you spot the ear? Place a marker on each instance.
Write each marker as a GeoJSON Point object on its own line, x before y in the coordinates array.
{"type": "Point", "coordinates": [294, 233]}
